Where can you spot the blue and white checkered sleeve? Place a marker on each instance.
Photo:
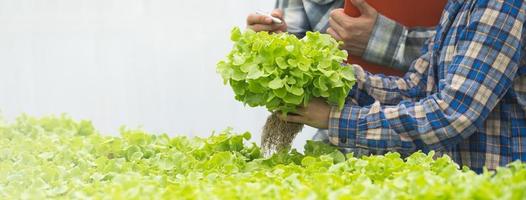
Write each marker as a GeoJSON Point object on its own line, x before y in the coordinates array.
{"type": "Point", "coordinates": [393, 44]}
{"type": "Point", "coordinates": [295, 16]}
{"type": "Point", "coordinates": [391, 90]}
{"type": "Point", "coordinates": [483, 67]}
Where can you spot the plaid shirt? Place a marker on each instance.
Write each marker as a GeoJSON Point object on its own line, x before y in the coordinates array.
{"type": "Point", "coordinates": [464, 97]}
{"type": "Point", "coordinates": [391, 44]}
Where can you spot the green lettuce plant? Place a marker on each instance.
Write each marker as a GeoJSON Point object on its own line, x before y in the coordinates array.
{"type": "Point", "coordinates": [282, 72]}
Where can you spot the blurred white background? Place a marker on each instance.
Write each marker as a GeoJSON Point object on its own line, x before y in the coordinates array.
{"type": "Point", "coordinates": [139, 63]}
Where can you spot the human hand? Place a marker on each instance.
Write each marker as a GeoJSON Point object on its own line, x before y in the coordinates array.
{"type": "Point", "coordinates": [315, 114]}
{"type": "Point", "coordinates": [259, 22]}
{"type": "Point", "coordinates": [353, 31]}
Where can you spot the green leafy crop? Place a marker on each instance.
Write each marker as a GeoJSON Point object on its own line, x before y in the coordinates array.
{"type": "Point", "coordinates": [59, 158]}
{"type": "Point", "coordinates": [281, 72]}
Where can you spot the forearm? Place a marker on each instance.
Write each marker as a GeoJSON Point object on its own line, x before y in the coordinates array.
{"type": "Point", "coordinates": [390, 90]}
{"type": "Point", "coordinates": [392, 44]}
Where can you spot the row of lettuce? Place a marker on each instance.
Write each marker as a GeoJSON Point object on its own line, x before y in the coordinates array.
{"type": "Point", "coordinates": [60, 158]}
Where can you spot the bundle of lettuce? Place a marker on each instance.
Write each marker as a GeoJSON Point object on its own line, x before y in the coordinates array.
{"type": "Point", "coordinates": [282, 72]}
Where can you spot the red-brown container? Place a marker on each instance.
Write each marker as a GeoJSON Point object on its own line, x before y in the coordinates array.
{"type": "Point", "coordinates": [410, 13]}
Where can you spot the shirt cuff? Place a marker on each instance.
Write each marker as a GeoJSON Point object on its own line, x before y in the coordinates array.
{"type": "Point", "coordinates": [346, 136]}
{"type": "Point", "coordinates": [384, 43]}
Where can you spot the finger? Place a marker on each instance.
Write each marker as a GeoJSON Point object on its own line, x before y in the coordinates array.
{"type": "Point", "coordinates": [334, 35]}
{"type": "Point", "coordinates": [276, 27]}
{"type": "Point", "coordinates": [301, 111]}
{"type": "Point", "coordinates": [281, 115]}
{"type": "Point", "coordinates": [261, 27]}
{"type": "Point", "coordinates": [295, 119]}
{"type": "Point", "coordinates": [277, 13]}
{"type": "Point", "coordinates": [337, 28]}
{"type": "Point", "coordinates": [281, 27]}
{"type": "Point", "coordinates": [364, 7]}
{"type": "Point", "coordinates": [253, 19]}
{"type": "Point", "coordinates": [339, 16]}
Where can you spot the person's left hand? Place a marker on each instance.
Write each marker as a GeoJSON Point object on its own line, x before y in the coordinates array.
{"type": "Point", "coordinates": [315, 114]}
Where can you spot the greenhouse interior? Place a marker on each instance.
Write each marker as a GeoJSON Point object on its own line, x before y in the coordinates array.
{"type": "Point", "coordinates": [281, 99]}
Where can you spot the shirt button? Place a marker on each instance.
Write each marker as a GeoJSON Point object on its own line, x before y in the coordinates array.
{"type": "Point", "coordinates": [343, 140]}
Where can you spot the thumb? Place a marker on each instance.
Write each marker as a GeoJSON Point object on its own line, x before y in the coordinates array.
{"type": "Point", "coordinates": [364, 7]}
{"type": "Point", "coordinates": [277, 13]}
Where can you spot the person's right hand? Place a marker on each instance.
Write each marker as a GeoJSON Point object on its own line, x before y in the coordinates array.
{"type": "Point", "coordinates": [355, 32]}
{"type": "Point", "coordinates": [258, 22]}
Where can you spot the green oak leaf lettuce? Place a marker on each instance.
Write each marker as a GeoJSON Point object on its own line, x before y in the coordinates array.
{"type": "Point", "coordinates": [282, 72]}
